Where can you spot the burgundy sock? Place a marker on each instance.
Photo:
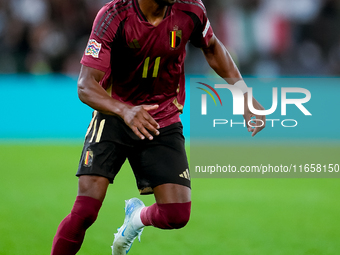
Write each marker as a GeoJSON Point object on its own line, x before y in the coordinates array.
{"type": "Point", "coordinates": [166, 216]}
{"type": "Point", "coordinates": [71, 231]}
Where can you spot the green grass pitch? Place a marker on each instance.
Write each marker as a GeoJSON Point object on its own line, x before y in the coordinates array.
{"type": "Point", "coordinates": [229, 216]}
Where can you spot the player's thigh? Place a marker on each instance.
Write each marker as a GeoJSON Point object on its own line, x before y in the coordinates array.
{"type": "Point", "coordinates": [162, 161]}
{"type": "Point", "coordinates": [103, 154]}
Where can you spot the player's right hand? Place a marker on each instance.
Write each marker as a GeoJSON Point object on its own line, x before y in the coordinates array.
{"type": "Point", "coordinates": [140, 121]}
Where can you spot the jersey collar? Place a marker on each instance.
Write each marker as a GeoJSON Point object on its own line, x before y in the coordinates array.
{"type": "Point", "coordinates": [141, 14]}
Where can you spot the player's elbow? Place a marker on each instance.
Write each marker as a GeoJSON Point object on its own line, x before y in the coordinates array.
{"type": "Point", "coordinates": [82, 90]}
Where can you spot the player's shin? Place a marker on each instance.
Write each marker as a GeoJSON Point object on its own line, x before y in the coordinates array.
{"type": "Point", "coordinates": [71, 231]}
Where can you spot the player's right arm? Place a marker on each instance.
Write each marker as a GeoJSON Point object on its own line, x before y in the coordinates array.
{"type": "Point", "coordinates": [96, 62]}
{"type": "Point", "coordinates": [92, 93]}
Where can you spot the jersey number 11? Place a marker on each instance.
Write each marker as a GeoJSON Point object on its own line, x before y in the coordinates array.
{"type": "Point", "coordinates": [155, 69]}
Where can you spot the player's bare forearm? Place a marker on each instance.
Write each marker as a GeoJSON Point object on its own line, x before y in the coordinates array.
{"type": "Point", "coordinates": [136, 117]}
{"type": "Point", "coordinates": [220, 60]}
{"type": "Point", "coordinates": [92, 94]}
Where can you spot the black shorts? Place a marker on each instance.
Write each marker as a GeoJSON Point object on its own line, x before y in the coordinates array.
{"type": "Point", "coordinates": [109, 142]}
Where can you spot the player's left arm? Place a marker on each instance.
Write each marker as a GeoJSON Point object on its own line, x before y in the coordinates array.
{"type": "Point", "coordinates": [220, 60]}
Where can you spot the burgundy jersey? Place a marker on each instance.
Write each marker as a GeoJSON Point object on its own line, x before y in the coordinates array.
{"type": "Point", "coordinates": [144, 64]}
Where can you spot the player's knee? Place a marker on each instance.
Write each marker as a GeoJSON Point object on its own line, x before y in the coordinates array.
{"type": "Point", "coordinates": [87, 209]}
{"type": "Point", "coordinates": [176, 215]}
{"type": "Point", "coordinates": [89, 217]}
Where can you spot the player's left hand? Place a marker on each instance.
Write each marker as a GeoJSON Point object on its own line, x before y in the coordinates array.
{"type": "Point", "coordinates": [256, 124]}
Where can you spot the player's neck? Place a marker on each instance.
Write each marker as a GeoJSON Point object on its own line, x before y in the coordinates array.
{"type": "Point", "coordinates": [153, 11]}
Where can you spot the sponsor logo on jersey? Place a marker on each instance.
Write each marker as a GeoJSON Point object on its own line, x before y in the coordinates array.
{"type": "Point", "coordinates": [88, 158]}
{"type": "Point", "coordinates": [93, 48]}
{"type": "Point", "coordinates": [175, 38]}
{"type": "Point", "coordinates": [134, 44]}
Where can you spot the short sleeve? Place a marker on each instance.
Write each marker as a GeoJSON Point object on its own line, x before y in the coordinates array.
{"type": "Point", "coordinates": [202, 32]}
{"type": "Point", "coordinates": [98, 50]}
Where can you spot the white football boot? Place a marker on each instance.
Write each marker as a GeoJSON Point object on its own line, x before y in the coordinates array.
{"type": "Point", "coordinates": [127, 233]}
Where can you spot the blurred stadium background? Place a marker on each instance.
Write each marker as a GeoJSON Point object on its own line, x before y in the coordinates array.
{"type": "Point", "coordinates": [266, 37]}
{"type": "Point", "coordinates": [43, 122]}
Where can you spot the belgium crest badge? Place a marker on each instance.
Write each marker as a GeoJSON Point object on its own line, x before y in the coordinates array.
{"type": "Point", "coordinates": [175, 38]}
